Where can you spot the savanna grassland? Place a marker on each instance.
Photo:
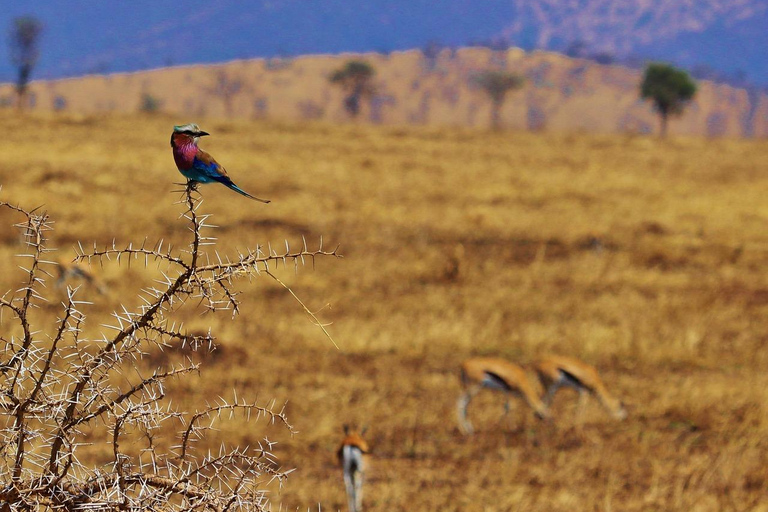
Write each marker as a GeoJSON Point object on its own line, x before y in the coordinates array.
{"type": "Point", "coordinates": [645, 258]}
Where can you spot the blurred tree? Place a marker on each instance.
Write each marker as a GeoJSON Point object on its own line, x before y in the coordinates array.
{"type": "Point", "coordinates": [226, 88]}
{"type": "Point", "coordinates": [500, 47]}
{"type": "Point", "coordinates": [24, 38]}
{"type": "Point", "coordinates": [431, 52]}
{"type": "Point", "coordinates": [149, 104]}
{"type": "Point", "coordinates": [604, 57]}
{"type": "Point", "coordinates": [577, 49]}
{"type": "Point", "coordinates": [59, 103]}
{"type": "Point", "coordinates": [496, 85]}
{"type": "Point", "coordinates": [356, 79]}
{"type": "Point", "coordinates": [669, 88]}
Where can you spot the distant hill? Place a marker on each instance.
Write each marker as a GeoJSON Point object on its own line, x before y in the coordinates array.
{"type": "Point", "coordinates": [730, 36]}
{"type": "Point", "coordinates": [560, 93]}
{"type": "Point", "coordinates": [724, 38]}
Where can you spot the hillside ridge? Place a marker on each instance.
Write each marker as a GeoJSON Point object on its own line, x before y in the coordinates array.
{"type": "Point", "coordinates": [561, 93]}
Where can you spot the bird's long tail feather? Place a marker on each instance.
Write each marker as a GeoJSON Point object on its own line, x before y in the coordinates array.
{"type": "Point", "coordinates": [237, 189]}
{"type": "Point", "coordinates": [246, 194]}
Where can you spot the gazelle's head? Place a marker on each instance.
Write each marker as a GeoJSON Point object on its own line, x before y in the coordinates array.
{"type": "Point", "coordinates": [540, 408]}
{"type": "Point", "coordinates": [353, 431]}
{"type": "Point", "coordinates": [542, 413]}
{"type": "Point", "coordinates": [614, 406]}
{"type": "Point", "coordinates": [619, 411]}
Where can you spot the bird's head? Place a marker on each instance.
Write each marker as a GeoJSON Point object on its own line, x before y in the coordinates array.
{"type": "Point", "coordinates": [186, 133]}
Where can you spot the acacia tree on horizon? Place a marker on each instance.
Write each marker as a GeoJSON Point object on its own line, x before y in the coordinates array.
{"type": "Point", "coordinates": [226, 87]}
{"type": "Point", "coordinates": [23, 43]}
{"type": "Point", "coordinates": [669, 88]}
{"type": "Point", "coordinates": [356, 79]}
{"type": "Point", "coordinates": [431, 52]}
{"type": "Point", "coordinates": [496, 85]}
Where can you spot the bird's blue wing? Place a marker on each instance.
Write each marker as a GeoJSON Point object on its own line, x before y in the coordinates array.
{"type": "Point", "coordinates": [208, 170]}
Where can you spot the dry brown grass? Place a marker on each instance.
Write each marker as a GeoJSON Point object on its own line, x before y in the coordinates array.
{"type": "Point", "coordinates": [644, 258]}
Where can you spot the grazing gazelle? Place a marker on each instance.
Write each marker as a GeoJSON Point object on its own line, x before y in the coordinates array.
{"type": "Point", "coordinates": [73, 270]}
{"type": "Point", "coordinates": [557, 371]}
{"type": "Point", "coordinates": [501, 375]}
{"type": "Point", "coordinates": [352, 458]}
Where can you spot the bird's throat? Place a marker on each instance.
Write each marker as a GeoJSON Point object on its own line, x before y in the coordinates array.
{"type": "Point", "coordinates": [184, 153]}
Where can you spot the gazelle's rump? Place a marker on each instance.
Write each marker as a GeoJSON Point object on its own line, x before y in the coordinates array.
{"type": "Point", "coordinates": [351, 456]}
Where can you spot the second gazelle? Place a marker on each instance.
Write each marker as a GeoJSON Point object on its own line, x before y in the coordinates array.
{"type": "Point", "coordinates": [500, 375]}
{"type": "Point", "coordinates": [559, 371]}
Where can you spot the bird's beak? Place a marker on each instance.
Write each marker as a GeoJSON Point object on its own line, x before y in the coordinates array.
{"type": "Point", "coordinates": [201, 133]}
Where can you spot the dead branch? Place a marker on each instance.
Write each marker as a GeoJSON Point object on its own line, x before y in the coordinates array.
{"type": "Point", "coordinates": [56, 386]}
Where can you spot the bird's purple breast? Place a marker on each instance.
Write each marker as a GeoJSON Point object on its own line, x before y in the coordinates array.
{"type": "Point", "coordinates": [184, 155]}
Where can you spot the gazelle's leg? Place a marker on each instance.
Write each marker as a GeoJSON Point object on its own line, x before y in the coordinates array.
{"type": "Point", "coordinates": [507, 408]}
{"type": "Point", "coordinates": [583, 396]}
{"type": "Point", "coordinates": [350, 485]}
{"type": "Point", "coordinates": [461, 408]}
{"type": "Point", "coordinates": [62, 279]}
{"type": "Point", "coordinates": [550, 395]}
{"type": "Point", "coordinates": [359, 475]}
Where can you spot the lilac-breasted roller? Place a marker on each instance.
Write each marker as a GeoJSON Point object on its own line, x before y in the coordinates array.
{"type": "Point", "coordinates": [197, 165]}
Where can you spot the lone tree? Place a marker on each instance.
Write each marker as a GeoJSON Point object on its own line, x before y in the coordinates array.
{"type": "Point", "coordinates": [356, 79]}
{"type": "Point", "coordinates": [669, 88]}
{"type": "Point", "coordinates": [226, 88]}
{"type": "Point", "coordinates": [496, 85]}
{"type": "Point", "coordinates": [24, 39]}
{"type": "Point", "coordinates": [431, 52]}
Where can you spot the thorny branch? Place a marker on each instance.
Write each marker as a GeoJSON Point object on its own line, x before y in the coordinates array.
{"type": "Point", "coordinates": [55, 387]}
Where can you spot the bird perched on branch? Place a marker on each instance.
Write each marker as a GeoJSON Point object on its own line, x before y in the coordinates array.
{"type": "Point", "coordinates": [197, 165]}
